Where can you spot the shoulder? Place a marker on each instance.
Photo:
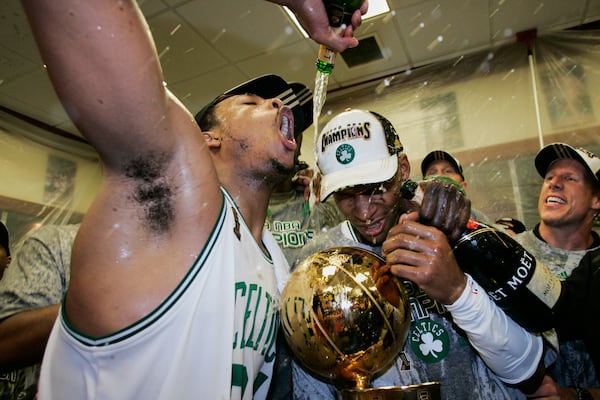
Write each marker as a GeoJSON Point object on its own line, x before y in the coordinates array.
{"type": "Point", "coordinates": [49, 238]}
{"type": "Point", "coordinates": [332, 213]}
{"type": "Point", "coordinates": [55, 232]}
{"type": "Point", "coordinates": [526, 237]}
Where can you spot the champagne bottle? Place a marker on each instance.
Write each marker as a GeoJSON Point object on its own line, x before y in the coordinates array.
{"type": "Point", "coordinates": [519, 284]}
{"type": "Point", "coordinates": [339, 13]}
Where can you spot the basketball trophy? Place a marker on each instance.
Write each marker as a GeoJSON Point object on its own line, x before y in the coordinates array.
{"type": "Point", "coordinates": [341, 328]}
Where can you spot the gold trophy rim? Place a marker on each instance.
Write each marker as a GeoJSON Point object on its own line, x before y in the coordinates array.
{"type": "Point", "coordinates": [420, 391]}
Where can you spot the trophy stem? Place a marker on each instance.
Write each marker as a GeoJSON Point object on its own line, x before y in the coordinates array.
{"type": "Point", "coordinates": [363, 382]}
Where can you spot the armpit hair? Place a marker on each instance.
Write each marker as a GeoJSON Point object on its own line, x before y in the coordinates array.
{"type": "Point", "coordinates": [153, 191]}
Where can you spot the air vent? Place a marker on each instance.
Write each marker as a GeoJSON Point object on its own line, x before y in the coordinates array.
{"type": "Point", "coordinates": [367, 51]}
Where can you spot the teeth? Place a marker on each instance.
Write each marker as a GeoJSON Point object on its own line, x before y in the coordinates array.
{"type": "Point", "coordinates": [553, 199]}
{"type": "Point", "coordinates": [285, 127]}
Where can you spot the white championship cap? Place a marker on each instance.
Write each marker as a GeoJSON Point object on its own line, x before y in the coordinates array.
{"type": "Point", "coordinates": [356, 147]}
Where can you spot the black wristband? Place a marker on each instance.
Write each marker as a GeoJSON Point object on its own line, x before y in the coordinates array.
{"type": "Point", "coordinates": [583, 394]}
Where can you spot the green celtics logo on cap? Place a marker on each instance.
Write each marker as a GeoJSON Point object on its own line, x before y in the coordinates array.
{"type": "Point", "coordinates": [345, 154]}
{"type": "Point", "coordinates": [429, 341]}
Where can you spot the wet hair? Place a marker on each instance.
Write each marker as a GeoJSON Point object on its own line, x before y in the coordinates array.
{"type": "Point", "coordinates": [207, 118]}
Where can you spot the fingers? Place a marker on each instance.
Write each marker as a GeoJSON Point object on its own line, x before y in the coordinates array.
{"type": "Point", "coordinates": [422, 254]}
{"type": "Point", "coordinates": [302, 182]}
{"type": "Point", "coordinates": [377, 272]}
{"type": "Point", "coordinates": [305, 173]}
{"type": "Point", "coordinates": [386, 284]}
{"type": "Point", "coordinates": [337, 39]}
{"type": "Point", "coordinates": [439, 207]}
{"type": "Point", "coordinates": [316, 183]}
{"type": "Point", "coordinates": [445, 208]}
{"type": "Point", "coordinates": [411, 236]}
{"type": "Point", "coordinates": [306, 193]}
{"type": "Point", "coordinates": [463, 214]}
{"type": "Point", "coordinates": [341, 43]}
{"type": "Point", "coordinates": [313, 18]}
{"type": "Point", "coordinates": [430, 206]}
{"type": "Point", "coordinates": [547, 390]}
{"type": "Point", "coordinates": [364, 7]}
{"type": "Point", "coordinates": [356, 20]}
{"type": "Point", "coordinates": [409, 216]}
{"type": "Point", "coordinates": [458, 213]}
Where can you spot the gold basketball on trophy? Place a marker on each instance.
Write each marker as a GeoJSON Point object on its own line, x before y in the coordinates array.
{"type": "Point", "coordinates": [337, 323]}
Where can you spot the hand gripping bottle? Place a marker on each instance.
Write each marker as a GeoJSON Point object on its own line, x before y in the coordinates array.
{"type": "Point", "coordinates": [519, 284]}
{"type": "Point", "coordinates": [339, 13]}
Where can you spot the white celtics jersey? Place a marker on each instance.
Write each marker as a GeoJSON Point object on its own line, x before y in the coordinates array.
{"type": "Point", "coordinates": [212, 338]}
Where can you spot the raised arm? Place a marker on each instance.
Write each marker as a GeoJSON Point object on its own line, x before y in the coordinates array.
{"type": "Point", "coordinates": [103, 64]}
{"type": "Point", "coordinates": [145, 228]}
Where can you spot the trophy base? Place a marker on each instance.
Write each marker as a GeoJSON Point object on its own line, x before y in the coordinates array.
{"type": "Point", "coordinates": [423, 391]}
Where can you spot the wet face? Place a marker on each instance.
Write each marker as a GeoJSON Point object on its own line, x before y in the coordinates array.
{"type": "Point", "coordinates": [445, 168]}
{"type": "Point", "coordinates": [568, 197]}
{"type": "Point", "coordinates": [258, 132]}
{"type": "Point", "coordinates": [371, 209]}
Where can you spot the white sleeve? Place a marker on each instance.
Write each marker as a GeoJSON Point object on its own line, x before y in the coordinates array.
{"type": "Point", "coordinates": [509, 350]}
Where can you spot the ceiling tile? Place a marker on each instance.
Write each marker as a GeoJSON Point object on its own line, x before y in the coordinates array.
{"type": "Point", "coordinates": [510, 17]}
{"type": "Point", "coordinates": [12, 65]}
{"type": "Point", "coordinates": [14, 30]}
{"type": "Point", "coordinates": [235, 27]}
{"type": "Point", "coordinates": [151, 7]}
{"type": "Point", "coordinates": [592, 11]}
{"type": "Point", "coordinates": [392, 48]}
{"type": "Point", "coordinates": [295, 62]}
{"type": "Point", "coordinates": [432, 29]}
{"type": "Point", "coordinates": [33, 95]}
{"type": "Point", "coordinates": [183, 53]}
{"type": "Point", "coordinates": [197, 92]}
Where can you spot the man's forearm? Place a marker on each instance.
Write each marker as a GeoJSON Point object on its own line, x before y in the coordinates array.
{"type": "Point", "coordinates": [509, 350]}
{"type": "Point", "coordinates": [23, 337]}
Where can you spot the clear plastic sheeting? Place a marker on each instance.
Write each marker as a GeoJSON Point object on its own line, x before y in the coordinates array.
{"type": "Point", "coordinates": [493, 110]}
{"type": "Point", "coordinates": [46, 179]}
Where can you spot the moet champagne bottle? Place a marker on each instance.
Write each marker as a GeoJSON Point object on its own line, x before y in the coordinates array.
{"type": "Point", "coordinates": [519, 284]}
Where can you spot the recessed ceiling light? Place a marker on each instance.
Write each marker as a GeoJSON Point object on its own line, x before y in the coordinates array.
{"type": "Point", "coordinates": [376, 7]}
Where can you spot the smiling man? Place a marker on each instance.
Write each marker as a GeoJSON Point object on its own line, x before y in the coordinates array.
{"type": "Point", "coordinates": [568, 203]}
